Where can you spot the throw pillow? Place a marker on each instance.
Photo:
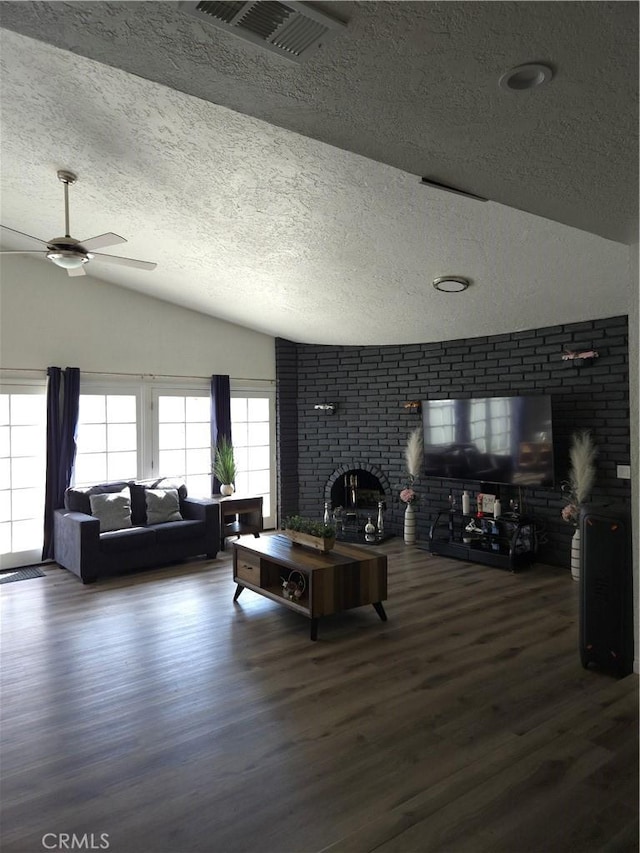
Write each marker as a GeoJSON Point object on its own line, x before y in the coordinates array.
{"type": "Point", "coordinates": [113, 510]}
{"type": "Point", "coordinates": [168, 483]}
{"type": "Point", "coordinates": [163, 505]}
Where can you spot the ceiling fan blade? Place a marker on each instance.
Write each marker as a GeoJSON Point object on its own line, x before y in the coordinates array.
{"type": "Point", "coordinates": [23, 252]}
{"type": "Point", "coordinates": [76, 271]}
{"type": "Point", "coordinates": [42, 243]}
{"type": "Point", "coordinates": [101, 241]}
{"type": "Point", "coordinates": [125, 262]}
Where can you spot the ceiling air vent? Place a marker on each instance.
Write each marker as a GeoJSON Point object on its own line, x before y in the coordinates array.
{"type": "Point", "coordinates": [293, 30]}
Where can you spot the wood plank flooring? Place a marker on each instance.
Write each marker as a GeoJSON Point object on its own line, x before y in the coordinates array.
{"type": "Point", "coordinates": [155, 710]}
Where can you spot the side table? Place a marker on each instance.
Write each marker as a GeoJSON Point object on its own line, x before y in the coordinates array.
{"type": "Point", "coordinates": [238, 515]}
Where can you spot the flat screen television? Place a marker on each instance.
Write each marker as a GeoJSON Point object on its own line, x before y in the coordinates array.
{"type": "Point", "coordinates": [506, 440]}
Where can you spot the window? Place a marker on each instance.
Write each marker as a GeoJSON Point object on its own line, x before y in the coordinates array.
{"type": "Point", "coordinates": [107, 438]}
{"type": "Point", "coordinates": [184, 440]}
{"type": "Point", "coordinates": [22, 474]}
{"type": "Point", "coordinates": [251, 420]}
{"type": "Point", "coordinates": [126, 430]}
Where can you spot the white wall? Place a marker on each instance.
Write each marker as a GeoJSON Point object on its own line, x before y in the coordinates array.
{"type": "Point", "coordinates": [48, 318]}
{"type": "Point", "coordinates": [634, 404]}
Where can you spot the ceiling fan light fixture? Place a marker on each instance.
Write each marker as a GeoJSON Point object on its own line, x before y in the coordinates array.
{"type": "Point", "coordinates": [68, 260]}
{"type": "Point", "coordinates": [451, 283]}
{"type": "Point", "coordinates": [67, 252]}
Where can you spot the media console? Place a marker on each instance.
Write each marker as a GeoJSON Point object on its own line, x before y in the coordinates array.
{"type": "Point", "coordinates": [508, 542]}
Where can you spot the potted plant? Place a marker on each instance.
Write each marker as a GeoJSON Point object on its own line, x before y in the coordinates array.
{"type": "Point", "coordinates": [313, 534]}
{"type": "Point", "coordinates": [224, 466]}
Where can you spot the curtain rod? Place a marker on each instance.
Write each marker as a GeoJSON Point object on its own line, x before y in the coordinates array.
{"type": "Point", "coordinates": [136, 375]}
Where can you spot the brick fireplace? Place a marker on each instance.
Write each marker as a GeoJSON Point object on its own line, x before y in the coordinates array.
{"type": "Point", "coordinates": [356, 486]}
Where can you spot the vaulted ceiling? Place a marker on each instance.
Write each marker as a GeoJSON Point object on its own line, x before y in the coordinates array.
{"type": "Point", "coordinates": [287, 197]}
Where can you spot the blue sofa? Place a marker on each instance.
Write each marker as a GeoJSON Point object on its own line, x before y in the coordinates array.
{"type": "Point", "coordinates": [80, 547]}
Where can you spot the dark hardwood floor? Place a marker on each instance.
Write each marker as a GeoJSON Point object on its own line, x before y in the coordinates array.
{"type": "Point", "coordinates": [155, 710]}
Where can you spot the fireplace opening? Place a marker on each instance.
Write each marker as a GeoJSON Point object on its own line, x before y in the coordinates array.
{"type": "Point", "coordinates": [357, 490]}
{"type": "Point", "coordinates": [355, 494]}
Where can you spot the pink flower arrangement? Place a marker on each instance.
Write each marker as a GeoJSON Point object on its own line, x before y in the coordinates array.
{"type": "Point", "coordinates": [408, 496]}
{"type": "Point", "coordinates": [571, 514]}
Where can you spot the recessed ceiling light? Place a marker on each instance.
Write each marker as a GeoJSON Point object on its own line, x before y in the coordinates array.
{"type": "Point", "coordinates": [451, 283]}
{"type": "Point", "coordinates": [524, 77]}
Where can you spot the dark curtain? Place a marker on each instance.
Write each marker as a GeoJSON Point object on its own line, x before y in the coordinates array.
{"type": "Point", "coordinates": [53, 455]}
{"type": "Point", "coordinates": [220, 416]}
{"type": "Point", "coordinates": [68, 429]}
{"type": "Point", "coordinates": [63, 399]}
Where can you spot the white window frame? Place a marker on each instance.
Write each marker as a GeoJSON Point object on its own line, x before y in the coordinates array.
{"type": "Point", "coordinates": [188, 388]}
{"type": "Point", "coordinates": [90, 387]}
{"type": "Point", "coordinates": [263, 390]}
{"type": "Point", "coordinates": [20, 385]}
{"type": "Point", "coordinates": [146, 392]}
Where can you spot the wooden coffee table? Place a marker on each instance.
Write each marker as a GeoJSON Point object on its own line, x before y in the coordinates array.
{"type": "Point", "coordinates": [346, 577]}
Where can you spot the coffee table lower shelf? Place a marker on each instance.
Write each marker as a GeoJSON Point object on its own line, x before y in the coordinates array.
{"type": "Point", "coordinates": [346, 577]}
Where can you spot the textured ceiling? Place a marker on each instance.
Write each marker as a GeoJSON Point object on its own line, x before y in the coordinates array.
{"type": "Point", "coordinates": [287, 197]}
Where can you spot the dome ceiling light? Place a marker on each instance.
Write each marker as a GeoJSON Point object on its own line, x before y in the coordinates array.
{"type": "Point", "coordinates": [451, 283]}
{"type": "Point", "coordinates": [525, 77]}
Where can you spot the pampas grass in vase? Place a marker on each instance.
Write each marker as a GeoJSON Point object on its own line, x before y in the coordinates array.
{"type": "Point", "coordinates": [413, 454]}
{"type": "Point", "coordinates": [582, 474]}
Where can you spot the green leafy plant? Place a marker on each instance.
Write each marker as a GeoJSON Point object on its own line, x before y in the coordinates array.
{"type": "Point", "coordinates": [309, 526]}
{"type": "Point", "coordinates": [224, 463]}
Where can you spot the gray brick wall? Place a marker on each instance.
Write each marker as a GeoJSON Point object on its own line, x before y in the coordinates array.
{"type": "Point", "coordinates": [371, 384]}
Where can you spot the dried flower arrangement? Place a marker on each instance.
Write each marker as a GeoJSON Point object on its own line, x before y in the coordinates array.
{"type": "Point", "coordinates": [413, 459]}
{"type": "Point", "coordinates": [582, 473]}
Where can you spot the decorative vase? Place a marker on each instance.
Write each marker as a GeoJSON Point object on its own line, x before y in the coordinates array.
{"type": "Point", "coordinates": [226, 489]}
{"type": "Point", "coordinates": [575, 555]}
{"type": "Point", "coordinates": [380, 522]}
{"type": "Point", "coordinates": [409, 525]}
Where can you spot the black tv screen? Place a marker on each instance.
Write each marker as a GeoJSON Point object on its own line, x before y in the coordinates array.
{"type": "Point", "coordinates": [505, 440]}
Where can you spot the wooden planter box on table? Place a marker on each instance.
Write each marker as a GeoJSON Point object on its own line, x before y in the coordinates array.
{"type": "Point", "coordinates": [316, 542]}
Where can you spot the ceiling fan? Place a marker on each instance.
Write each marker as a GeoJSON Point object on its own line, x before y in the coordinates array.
{"type": "Point", "coordinates": [72, 254]}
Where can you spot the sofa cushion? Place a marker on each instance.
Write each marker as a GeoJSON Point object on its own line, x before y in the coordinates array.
{"type": "Point", "coordinates": [177, 531]}
{"type": "Point", "coordinates": [122, 541]}
{"type": "Point", "coordinates": [163, 506]}
{"type": "Point", "coordinates": [113, 510]}
{"type": "Point", "coordinates": [77, 498]}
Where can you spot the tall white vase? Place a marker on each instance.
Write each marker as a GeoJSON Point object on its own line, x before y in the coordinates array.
{"type": "Point", "coordinates": [409, 525]}
{"type": "Point", "coordinates": [575, 555]}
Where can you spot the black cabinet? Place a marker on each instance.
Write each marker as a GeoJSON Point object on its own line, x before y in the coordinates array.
{"type": "Point", "coordinates": [508, 542]}
{"type": "Point", "coordinates": [606, 588]}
